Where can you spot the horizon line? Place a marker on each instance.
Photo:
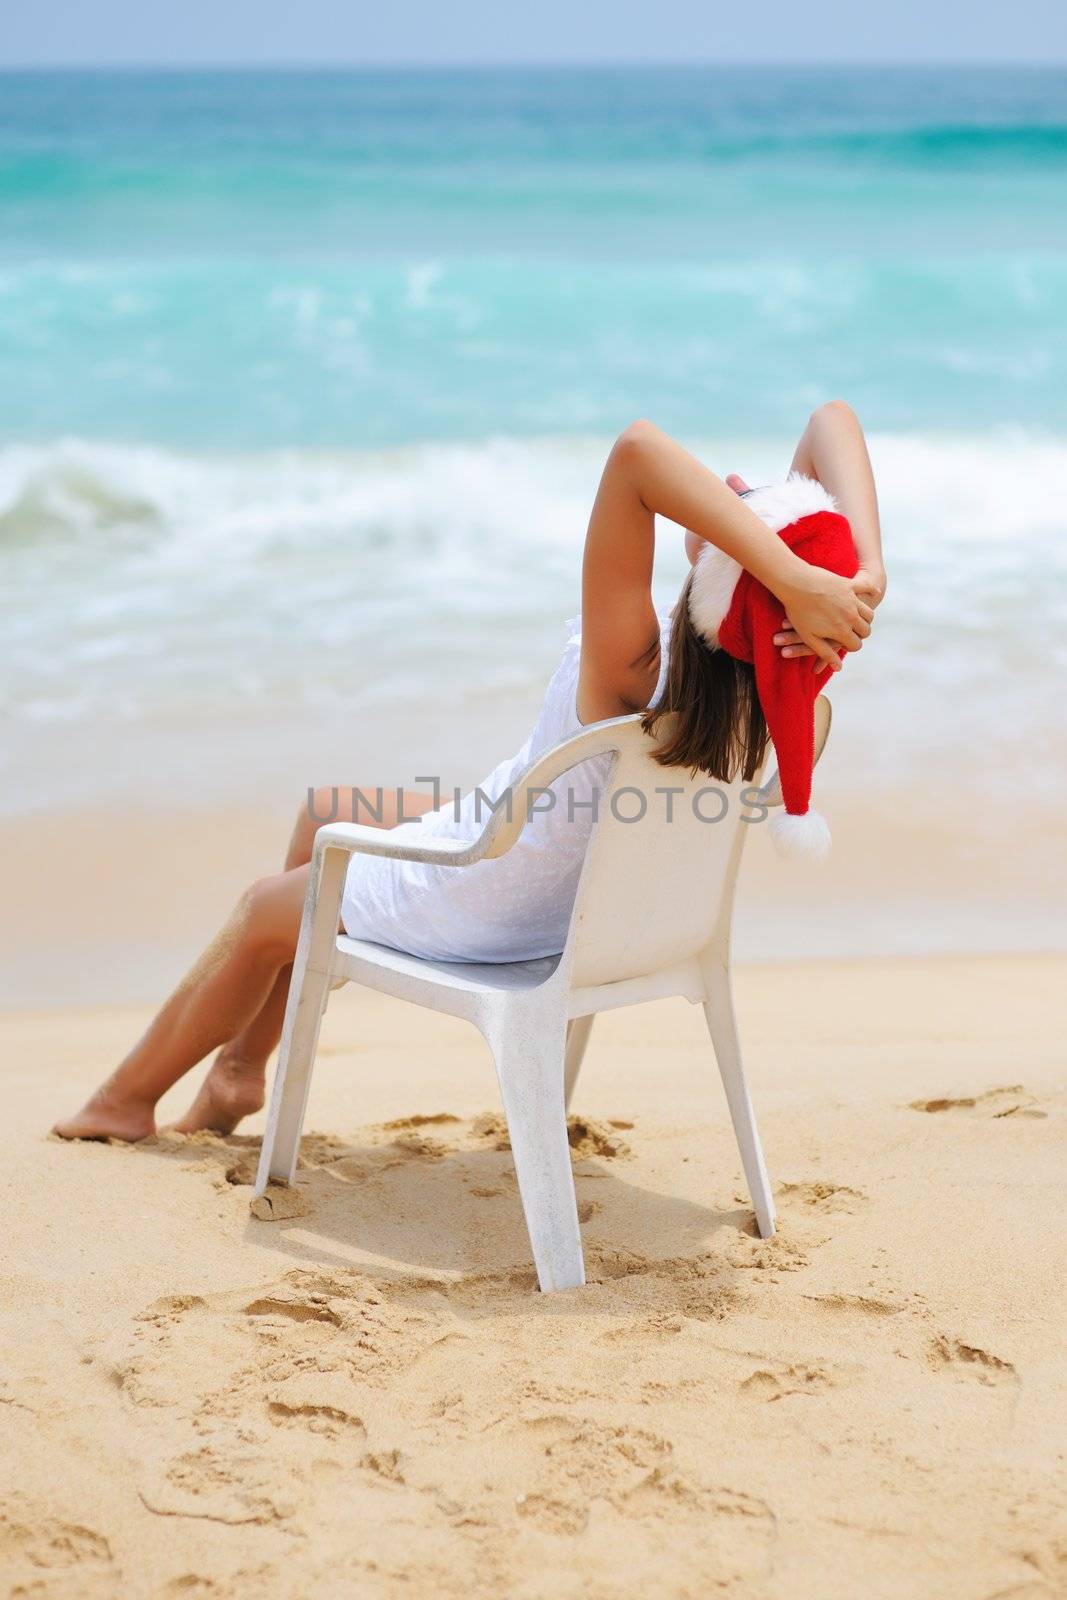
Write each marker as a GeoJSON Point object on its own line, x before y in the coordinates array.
{"type": "Point", "coordinates": [939, 63]}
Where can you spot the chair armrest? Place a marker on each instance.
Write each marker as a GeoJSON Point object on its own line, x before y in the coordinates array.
{"type": "Point", "coordinates": [355, 838]}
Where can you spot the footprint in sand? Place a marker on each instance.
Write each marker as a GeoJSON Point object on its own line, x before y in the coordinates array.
{"type": "Point", "coordinates": [1012, 1100]}
{"type": "Point", "coordinates": [229, 1484]}
{"type": "Point", "coordinates": [589, 1138]}
{"type": "Point", "coordinates": [189, 1586]}
{"type": "Point", "coordinates": [562, 1466]}
{"type": "Point", "coordinates": [586, 1137]}
{"type": "Point", "coordinates": [634, 1471]}
{"type": "Point", "coordinates": [414, 1143]}
{"type": "Point", "coordinates": [320, 1398]}
{"type": "Point", "coordinates": [820, 1195]}
{"type": "Point", "coordinates": [170, 1307]}
{"type": "Point", "coordinates": [857, 1307]}
{"type": "Point", "coordinates": [280, 1404]}
{"type": "Point", "coordinates": [664, 1492]}
{"type": "Point", "coordinates": [641, 1332]}
{"type": "Point", "coordinates": [384, 1464]}
{"type": "Point", "coordinates": [418, 1119]}
{"type": "Point", "coordinates": [698, 1287]}
{"type": "Point", "coordinates": [776, 1382]}
{"type": "Point", "coordinates": [38, 1551]}
{"type": "Point", "coordinates": [733, 1530]}
{"type": "Point", "coordinates": [282, 1407]}
{"type": "Point", "coordinates": [407, 1133]}
{"type": "Point", "coordinates": [969, 1361]}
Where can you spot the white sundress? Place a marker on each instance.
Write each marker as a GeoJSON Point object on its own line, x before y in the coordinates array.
{"type": "Point", "coordinates": [514, 908]}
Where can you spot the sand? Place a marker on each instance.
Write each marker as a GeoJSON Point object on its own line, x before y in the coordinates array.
{"type": "Point", "coordinates": [368, 1397]}
{"type": "Point", "coordinates": [123, 910]}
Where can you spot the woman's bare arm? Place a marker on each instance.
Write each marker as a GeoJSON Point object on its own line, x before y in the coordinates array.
{"type": "Point", "coordinates": [649, 474]}
{"type": "Point", "coordinates": [833, 449]}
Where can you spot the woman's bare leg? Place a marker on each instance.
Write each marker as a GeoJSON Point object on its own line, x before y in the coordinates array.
{"type": "Point", "coordinates": [218, 999]}
{"type": "Point", "coordinates": [235, 1084]}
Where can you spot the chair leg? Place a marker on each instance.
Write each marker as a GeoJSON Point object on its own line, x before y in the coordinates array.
{"type": "Point", "coordinates": [722, 1025]}
{"type": "Point", "coordinates": [578, 1031]}
{"type": "Point", "coordinates": [528, 1045]}
{"type": "Point", "coordinates": [309, 990]}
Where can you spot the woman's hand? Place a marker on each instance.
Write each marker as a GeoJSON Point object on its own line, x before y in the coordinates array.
{"type": "Point", "coordinates": [871, 583]}
{"type": "Point", "coordinates": [825, 613]}
{"type": "Point", "coordinates": [868, 585]}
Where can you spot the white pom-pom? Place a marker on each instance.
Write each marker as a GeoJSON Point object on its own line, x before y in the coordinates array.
{"type": "Point", "coordinates": [806, 838]}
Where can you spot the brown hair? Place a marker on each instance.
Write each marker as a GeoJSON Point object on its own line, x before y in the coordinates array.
{"type": "Point", "coordinates": [717, 724]}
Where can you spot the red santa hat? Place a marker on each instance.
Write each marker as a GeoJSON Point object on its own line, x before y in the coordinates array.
{"type": "Point", "coordinates": [732, 611]}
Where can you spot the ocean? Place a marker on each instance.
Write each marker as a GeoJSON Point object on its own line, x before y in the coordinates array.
{"type": "Point", "coordinates": [306, 379]}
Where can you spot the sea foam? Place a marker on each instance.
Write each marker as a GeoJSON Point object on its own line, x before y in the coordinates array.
{"type": "Point", "coordinates": [164, 578]}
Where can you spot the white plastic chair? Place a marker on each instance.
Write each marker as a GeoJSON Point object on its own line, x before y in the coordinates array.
{"type": "Point", "coordinates": [651, 919]}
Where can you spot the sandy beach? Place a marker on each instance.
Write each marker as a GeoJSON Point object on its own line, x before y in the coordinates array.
{"type": "Point", "coordinates": [311, 379]}
{"type": "Point", "coordinates": [369, 1397]}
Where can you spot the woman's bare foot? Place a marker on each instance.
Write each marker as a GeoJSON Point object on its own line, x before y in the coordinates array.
{"type": "Point", "coordinates": [232, 1089]}
{"type": "Point", "coordinates": [109, 1115]}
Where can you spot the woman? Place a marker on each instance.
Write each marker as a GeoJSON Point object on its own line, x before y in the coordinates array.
{"type": "Point", "coordinates": [626, 659]}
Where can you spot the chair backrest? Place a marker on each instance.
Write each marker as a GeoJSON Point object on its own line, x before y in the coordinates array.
{"type": "Point", "coordinates": [658, 879]}
{"type": "Point", "coordinates": [660, 863]}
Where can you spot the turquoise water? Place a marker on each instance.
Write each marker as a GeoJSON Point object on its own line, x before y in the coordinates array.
{"type": "Point", "coordinates": [365, 260]}
{"type": "Point", "coordinates": [296, 369]}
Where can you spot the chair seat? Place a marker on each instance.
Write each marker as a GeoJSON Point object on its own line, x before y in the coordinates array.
{"type": "Point", "coordinates": [380, 967]}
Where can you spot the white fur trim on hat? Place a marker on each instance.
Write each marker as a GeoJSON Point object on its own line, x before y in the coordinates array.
{"type": "Point", "coordinates": [779, 505]}
{"type": "Point", "coordinates": [804, 837]}
{"type": "Point", "coordinates": [715, 574]}
{"type": "Point", "coordinates": [711, 589]}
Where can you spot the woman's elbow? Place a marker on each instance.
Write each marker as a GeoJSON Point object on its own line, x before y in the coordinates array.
{"type": "Point", "coordinates": [834, 412]}
{"type": "Point", "coordinates": [634, 442]}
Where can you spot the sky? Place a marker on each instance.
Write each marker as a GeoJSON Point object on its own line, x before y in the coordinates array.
{"type": "Point", "coordinates": [96, 33]}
